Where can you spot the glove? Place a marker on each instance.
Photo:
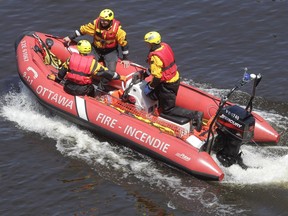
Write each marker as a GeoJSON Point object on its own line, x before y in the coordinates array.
{"type": "Point", "coordinates": [144, 73]}
{"type": "Point", "coordinates": [67, 41]}
{"type": "Point", "coordinates": [51, 77]}
{"type": "Point", "coordinates": [148, 72]}
{"type": "Point", "coordinates": [148, 89]}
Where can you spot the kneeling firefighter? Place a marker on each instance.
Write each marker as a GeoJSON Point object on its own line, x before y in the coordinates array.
{"type": "Point", "coordinates": [166, 79]}
{"type": "Point", "coordinates": [79, 70]}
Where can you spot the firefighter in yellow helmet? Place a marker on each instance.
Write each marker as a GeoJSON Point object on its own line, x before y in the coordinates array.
{"type": "Point", "coordinates": [108, 35]}
{"type": "Point", "coordinates": [79, 71]}
{"type": "Point", "coordinates": [166, 79]}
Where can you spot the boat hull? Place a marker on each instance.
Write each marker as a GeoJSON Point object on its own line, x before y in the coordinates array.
{"type": "Point", "coordinates": [104, 118]}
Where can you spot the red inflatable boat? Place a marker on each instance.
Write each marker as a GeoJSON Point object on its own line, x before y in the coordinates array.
{"type": "Point", "coordinates": [134, 121]}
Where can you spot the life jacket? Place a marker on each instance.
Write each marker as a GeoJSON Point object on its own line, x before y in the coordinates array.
{"type": "Point", "coordinates": [166, 55]}
{"type": "Point", "coordinates": [79, 69]}
{"type": "Point", "coordinates": [106, 38]}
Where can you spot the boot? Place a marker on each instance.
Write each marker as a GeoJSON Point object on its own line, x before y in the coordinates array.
{"type": "Point", "coordinates": [198, 121]}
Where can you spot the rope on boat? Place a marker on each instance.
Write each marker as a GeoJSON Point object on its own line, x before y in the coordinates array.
{"type": "Point", "coordinates": [151, 119]}
{"type": "Point", "coordinates": [49, 58]}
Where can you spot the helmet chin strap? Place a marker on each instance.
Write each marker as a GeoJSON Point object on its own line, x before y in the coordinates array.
{"type": "Point", "coordinates": [154, 47]}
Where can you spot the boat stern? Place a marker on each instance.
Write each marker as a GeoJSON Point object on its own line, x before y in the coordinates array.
{"type": "Point", "coordinates": [208, 167]}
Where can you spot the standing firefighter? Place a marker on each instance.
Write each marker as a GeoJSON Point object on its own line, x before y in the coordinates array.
{"type": "Point", "coordinates": [107, 34]}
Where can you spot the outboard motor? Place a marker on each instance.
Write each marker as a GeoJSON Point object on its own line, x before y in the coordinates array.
{"type": "Point", "coordinates": [235, 127]}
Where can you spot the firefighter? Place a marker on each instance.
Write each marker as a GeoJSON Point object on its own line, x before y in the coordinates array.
{"type": "Point", "coordinates": [79, 71]}
{"type": "Point", "coordinates": [107, 34]}
{"type": "Point", "coordinates": [166, 79]}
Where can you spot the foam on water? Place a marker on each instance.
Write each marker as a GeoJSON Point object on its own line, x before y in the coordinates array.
{"type": "Point", "coordinates": [22, 108]}
{"type": "Point", "coordinates": [265, 168]}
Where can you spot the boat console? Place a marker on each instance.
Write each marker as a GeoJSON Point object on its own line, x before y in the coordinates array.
{"type": "Point", "coordinates": [148, 105]}
{"type": "Point", "coordinates": [141, 100]}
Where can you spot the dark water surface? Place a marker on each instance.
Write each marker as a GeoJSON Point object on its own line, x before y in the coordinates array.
{"type": "Point", "coordinates": [49, 166]}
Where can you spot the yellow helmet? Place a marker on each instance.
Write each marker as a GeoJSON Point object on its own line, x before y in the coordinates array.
{"type": "Point", "coordinates": [107, 14]}
{"type": "Point", "coordinates": [84, 47]}
{"type": "Point", "coordinates": [152, 37]}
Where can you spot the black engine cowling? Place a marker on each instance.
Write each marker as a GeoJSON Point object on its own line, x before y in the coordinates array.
{"type": "Point", "coordinates": [235, 126]}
